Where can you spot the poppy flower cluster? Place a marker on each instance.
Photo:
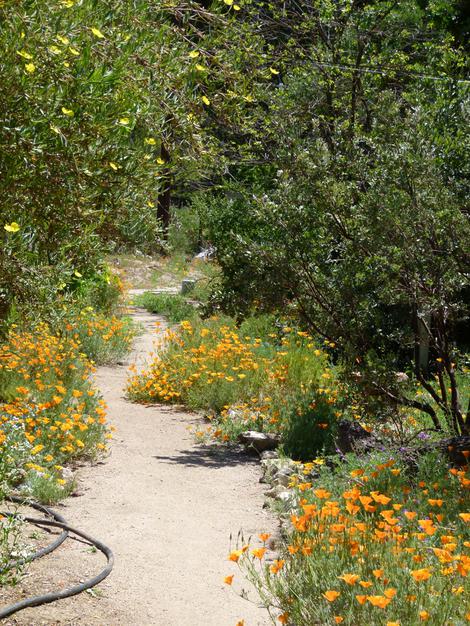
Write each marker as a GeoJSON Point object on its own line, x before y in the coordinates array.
{"type": "Point", "coordinates": [243, 381]}
{"type": "Point", "coordinates": [50, 410]}
{"type": "Point", "coordinates": [356, 554]}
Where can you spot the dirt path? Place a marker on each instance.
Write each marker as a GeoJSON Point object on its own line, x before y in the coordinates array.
{"type": "Point", "coordinates": [167, 508]}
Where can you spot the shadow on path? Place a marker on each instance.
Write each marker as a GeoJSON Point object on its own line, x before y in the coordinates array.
{"type": "Point", "coordinates": [209, 457]}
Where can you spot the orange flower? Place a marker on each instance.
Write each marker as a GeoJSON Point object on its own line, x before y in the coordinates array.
{"type": "Point", "coordinates": [323, 494]}
{"type": "Point", "coordinates": [390, 593]}
{"type": "Point", "coordinates": [465, 517]}
{"type": "Point", "coordinates": [350, 579]}
{"type": "Point", "coordinates": [331, 595]}
{"type": "Point", "coordinates": [352, 508]}
{"type": "Point", "coordinates": [378, 573]}
{"type": "Point", "coordinates": [424, 616]}
{"type": "Point", "coordinates": [379, 497]}
{"type": "Point", "coordinates": [361, 599]}
{"type": "Point", "coordinates": [428, 526]}
{"type": "Point", "coordinates": [228, 580]}
{"type": "Point", "coordinates": [365, 583]}
{"type": "Point", "coordinates": [380, 601]}
{"type": "Point", "coordinates": [277, 565]}
{"type": "Point", "coordinates": [393, 623]}
{"type": "Point", "coordinates": [283, 618]}
{"type": "Point", "coordinates": [258, 553]}
{"type": "Point", "coordinates": [444, 556]}
{"type": "Point", "coordinates": [235, 555]}
{"type": "Point", "coordinates": [338, 619]}
{"type": "Point", "coordinates": [264, 537]}
{"type": "Point", "coordinates": [421, 574]}
{"type": "Point", "coordinates": [410, 514]}
{"type": "Point", "coordinates": [356, 472]}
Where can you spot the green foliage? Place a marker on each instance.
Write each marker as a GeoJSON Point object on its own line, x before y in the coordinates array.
{"type": "Point", "coordinates": [44, 488]}
{"type": "Point", "coordinates": [174, 307]}
{"type": "Point", "coordinates": [11, 548]}
{"type": "Point", "coordinates": [267, 381]}
{"type": "Point", "coordinates": [362, 232]}
{"type": "Point", "coordinates": [185, 230]}
{"type": "Point", "coordinates": [105, 110]}
{"type": "Point", "coordinates": [310, 427]}
{"type": "Point", "coordinates": [103, 340]}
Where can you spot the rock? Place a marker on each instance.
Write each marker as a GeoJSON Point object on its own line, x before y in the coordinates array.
{"type": "Point", "coordinates": [287, 498]}
{"type": "Point", "coordinates": [282, 478]}
{"type": "Point", "coordinates": [67, 474]}
{"type": "Point", "coordinates": [274, 491]}
{"type": "Point", "coordinates": [273, 467]}
{"type": "Point", "coordinates": [259, 441]}
{"type": "Point", "coordinates": [187, 286]}
{"type": "Point", "coordinates": [205, 255]}
{"type": "Point", "coordinates": [268, 454]}
{"type": "Point", "coordinates": [349, 434]}
{"type": "Point", "coordinates": [401, 377]}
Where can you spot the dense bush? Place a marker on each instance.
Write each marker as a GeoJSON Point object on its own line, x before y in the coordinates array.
{"type": "Point", "coordinates": [105, 109]}
{"type": "Point", "coordinates": [173, 307]}
{"type": "Point", "coordinates": [363, 229]}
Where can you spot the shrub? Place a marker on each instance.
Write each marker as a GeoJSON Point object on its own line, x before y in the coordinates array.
{"type": "Point", "coordinates": [11, 551]}
{"type": "Point", "coordinates": [102, 339]}
{"type": "Point", "coordinates": [310, 427]}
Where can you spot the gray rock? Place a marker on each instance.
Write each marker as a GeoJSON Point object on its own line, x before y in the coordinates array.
{"type": "Point", "coordinates": [274, 491]}
{"type": "Point", "coordinates": [187, 286]}
{"type": "Point", "coordinates": [206, 254]}
{"type": "Point", "coordinates": [259, 441]}
{"type": "Point", "coordinates": [67, 474]}
{"type": "Point", "coordinates": [287, 498]}
{"type": "Point", "coordinates": [269, 454]}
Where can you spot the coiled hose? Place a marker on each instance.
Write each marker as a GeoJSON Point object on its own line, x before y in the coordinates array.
{"type": "Point", "coordinates": [56, 521]}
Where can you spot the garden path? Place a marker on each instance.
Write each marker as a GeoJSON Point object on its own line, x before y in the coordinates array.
{"type": "Point", "coordinates": [166, 507]}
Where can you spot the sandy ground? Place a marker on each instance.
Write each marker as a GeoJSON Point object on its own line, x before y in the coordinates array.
{"type": "Point", "coordinates": [167, 508]}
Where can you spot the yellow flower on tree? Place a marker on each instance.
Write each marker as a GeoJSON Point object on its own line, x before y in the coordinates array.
{"type": "Point", "coordinates": [14, 227]}
{"type": "Point", "coordinates": [24, 54]}
{"type": "Point", "coordinates": [97, 32]}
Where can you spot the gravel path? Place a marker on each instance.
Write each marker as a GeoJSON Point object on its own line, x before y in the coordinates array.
{"type": "Point", "coordinates": [167, 508]}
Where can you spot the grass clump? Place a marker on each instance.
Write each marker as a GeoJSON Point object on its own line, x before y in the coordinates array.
{"type": "Point", "coordinates": [174, 307]}
{"type": "Point", "coordinates": [11, 550]}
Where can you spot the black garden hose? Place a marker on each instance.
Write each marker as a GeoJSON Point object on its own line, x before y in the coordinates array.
{"type": "Point", "coordinates": [57, 522]}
